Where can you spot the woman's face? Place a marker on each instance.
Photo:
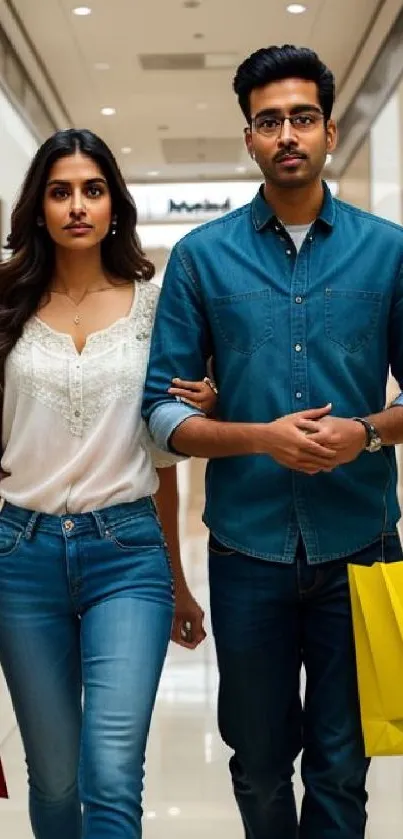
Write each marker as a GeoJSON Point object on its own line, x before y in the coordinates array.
{"type": "Point", "coordinates": [77, 204]}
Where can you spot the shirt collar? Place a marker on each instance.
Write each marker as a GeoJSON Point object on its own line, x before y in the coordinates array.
{"type": "Point", "coordinates": [263, 214]}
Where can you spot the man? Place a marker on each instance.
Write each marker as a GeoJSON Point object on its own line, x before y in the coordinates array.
{"type": "Point", "coordinates": [299, 299]}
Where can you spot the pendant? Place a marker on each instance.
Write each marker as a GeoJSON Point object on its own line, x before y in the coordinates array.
{"type": "Point", "coordinates": [77, 320]}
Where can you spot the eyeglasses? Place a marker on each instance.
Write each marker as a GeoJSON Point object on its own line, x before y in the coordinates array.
{"type": "Point", "coordinates": [272, 126]}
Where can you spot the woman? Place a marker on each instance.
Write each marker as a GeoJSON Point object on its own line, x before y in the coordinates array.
{"type": "Point", "coordinates": [86, 589]}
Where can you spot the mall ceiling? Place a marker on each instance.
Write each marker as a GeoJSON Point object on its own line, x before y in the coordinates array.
{"type": "Point", "coordinates": [163, 70]}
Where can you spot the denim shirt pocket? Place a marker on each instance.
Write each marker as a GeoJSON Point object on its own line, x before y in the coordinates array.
{"type": "Point", "coordinates": [244, 320]}
{"type": "Point", "coordinates": [351, 317]}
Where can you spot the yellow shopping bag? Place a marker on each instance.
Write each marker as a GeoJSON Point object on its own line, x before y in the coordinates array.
{"type": "Point", "coordinates": [377, 606]}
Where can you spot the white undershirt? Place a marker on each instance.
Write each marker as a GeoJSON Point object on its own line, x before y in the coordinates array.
{"type": "Point", "coordinates": [73, 436]}
{"type": "Point", "coordinates": [298, 233]}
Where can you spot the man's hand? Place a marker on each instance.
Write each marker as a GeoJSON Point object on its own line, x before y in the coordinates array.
{"type": "Point", "coordinates": [297, 442]}
{"type": "Point", "coordinates": [346, 437]}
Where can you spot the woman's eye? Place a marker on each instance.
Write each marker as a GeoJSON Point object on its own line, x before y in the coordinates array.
{"type": "Point", "coordinates": [94, 191]}
{"type": "Point", "coordinates": [59, 192]}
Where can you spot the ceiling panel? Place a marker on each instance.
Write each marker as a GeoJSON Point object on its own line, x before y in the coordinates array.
{"type": "Point", "coordinates": [155, 106]}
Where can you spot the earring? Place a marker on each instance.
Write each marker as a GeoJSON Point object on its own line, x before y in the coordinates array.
{"type": "Point", "coordinates": [40, 221]}
{"type": "Point", "coordinates": [114, 226]}
{"type": "Point", "coordinates": [253, 156]}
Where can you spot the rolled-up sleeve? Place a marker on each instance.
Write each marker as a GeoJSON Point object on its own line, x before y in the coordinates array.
{"type": "Point", "coordinates": [398, 400]}
{"type": "Point", "coordinates": [165, 419]}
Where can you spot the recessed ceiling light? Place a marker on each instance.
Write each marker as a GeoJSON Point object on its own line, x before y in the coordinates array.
{"type": "Point", "coordinates": [241, 169]}
{"type": "Point", "coordinates": [174, 811]}
{"type": "Point", "coordinates": [296, 9]}
{"type": "Point", "coordinates": [153, 173]}
{"type": "Point", "coordinates": [126, 150]}
{"type": "Point", "coordinates": [102, 65]}
{"type": "Point", "coordinates": [108, 112]}
{"type": "Point", "coordinates": [82, 11]}
{"type": "Point", "coordinates": [201, 106]}
{"type": "Point", "coordinates": [151, 814]}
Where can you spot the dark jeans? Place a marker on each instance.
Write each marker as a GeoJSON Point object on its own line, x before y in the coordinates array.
{"type": "Point", "coordinates": [268, 620]}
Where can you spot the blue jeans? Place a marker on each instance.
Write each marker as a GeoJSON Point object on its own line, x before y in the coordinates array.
{"type": "Point", "coordinates": [268, 620]}
{"type": "Point", "coordinates": [86, 605]}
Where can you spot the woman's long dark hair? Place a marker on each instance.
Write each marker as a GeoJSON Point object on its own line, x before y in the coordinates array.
{"type": "Point", "coordinates": [25, 277]}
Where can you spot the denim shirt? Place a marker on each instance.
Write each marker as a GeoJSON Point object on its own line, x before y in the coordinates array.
{"type": "Point", "coordinates": [288, 331]}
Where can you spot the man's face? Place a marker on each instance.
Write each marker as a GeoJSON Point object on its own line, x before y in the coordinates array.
{"type": "Point", "coordinates": [289, 155]}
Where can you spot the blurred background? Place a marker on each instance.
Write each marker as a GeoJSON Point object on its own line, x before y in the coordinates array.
{"type": "Point", "coordinates": [154, 79]}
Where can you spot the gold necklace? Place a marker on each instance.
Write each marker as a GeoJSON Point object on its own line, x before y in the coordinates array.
{"type": "Point", "coordinates": [77, 303]}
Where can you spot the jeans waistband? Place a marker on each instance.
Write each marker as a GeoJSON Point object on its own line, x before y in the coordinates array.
{"type": "Point", "coordinates": [29, 520]}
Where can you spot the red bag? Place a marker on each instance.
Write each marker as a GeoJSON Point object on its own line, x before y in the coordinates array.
{"type": "Point", "coordinates": [3, 786]}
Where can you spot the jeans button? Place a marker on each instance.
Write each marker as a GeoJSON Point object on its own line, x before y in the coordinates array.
{"type": "Point", "coordinates": [68, 525]}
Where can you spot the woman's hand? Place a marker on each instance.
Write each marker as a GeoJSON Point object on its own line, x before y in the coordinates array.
{"type": "Point", "coordinates": [201, 395]}
{"type": "Point", "coordinates": [187, 628]}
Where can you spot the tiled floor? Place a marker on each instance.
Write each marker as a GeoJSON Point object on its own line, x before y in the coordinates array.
{"type": "Point", "coordinates": [188, 791]}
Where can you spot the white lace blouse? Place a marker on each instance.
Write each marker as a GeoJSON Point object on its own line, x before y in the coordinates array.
{"type": "Point", "coordinates": [73, 436]}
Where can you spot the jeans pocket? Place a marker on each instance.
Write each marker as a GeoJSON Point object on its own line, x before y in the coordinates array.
{"type": "Point", "coordinates": [10, 537]}
{"type": "Point", "coordinates": [218, 549]}
{"type": "Point", "coordinates": [138, 533]}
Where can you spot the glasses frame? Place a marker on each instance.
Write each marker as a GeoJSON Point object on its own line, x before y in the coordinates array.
{"type": "Point", "coordinates": [318, 114]}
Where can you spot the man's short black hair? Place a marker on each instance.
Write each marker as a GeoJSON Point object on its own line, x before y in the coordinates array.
{"type": "Point", "coordinates": [272, 64]}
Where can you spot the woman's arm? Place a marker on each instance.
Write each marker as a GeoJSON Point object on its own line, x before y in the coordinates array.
{"type": "Point", "coordinates": [187, 627]}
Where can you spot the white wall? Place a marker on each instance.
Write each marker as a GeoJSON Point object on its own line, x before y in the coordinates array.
{"type": "Point", "coordinates": [386, 174]}
{"type": "Point", "coordinates": [386, 200]}
{"type": "Point", "coordinates": [17, 147]}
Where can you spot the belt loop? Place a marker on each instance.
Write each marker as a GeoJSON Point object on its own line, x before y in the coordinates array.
{"type": "Point", "coordinates": [29, 530]}
{"type": "Point", "coordinates": [99, 521]}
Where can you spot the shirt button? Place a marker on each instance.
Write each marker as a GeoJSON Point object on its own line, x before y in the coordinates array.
{"type": "Point", "coordinates": [298, 348]}
{"type": "Point", "coordinates": [298, 299]}
{"type": "Point", "coordinates": [77, 413]}
{"type": "Point", "coordinates": [298, 395]}
{"type": "Point", "coordinates": [288, 252]}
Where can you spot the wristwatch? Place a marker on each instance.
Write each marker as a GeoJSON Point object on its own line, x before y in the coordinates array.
{"type": "Point", "coordinates": [374, 442]}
